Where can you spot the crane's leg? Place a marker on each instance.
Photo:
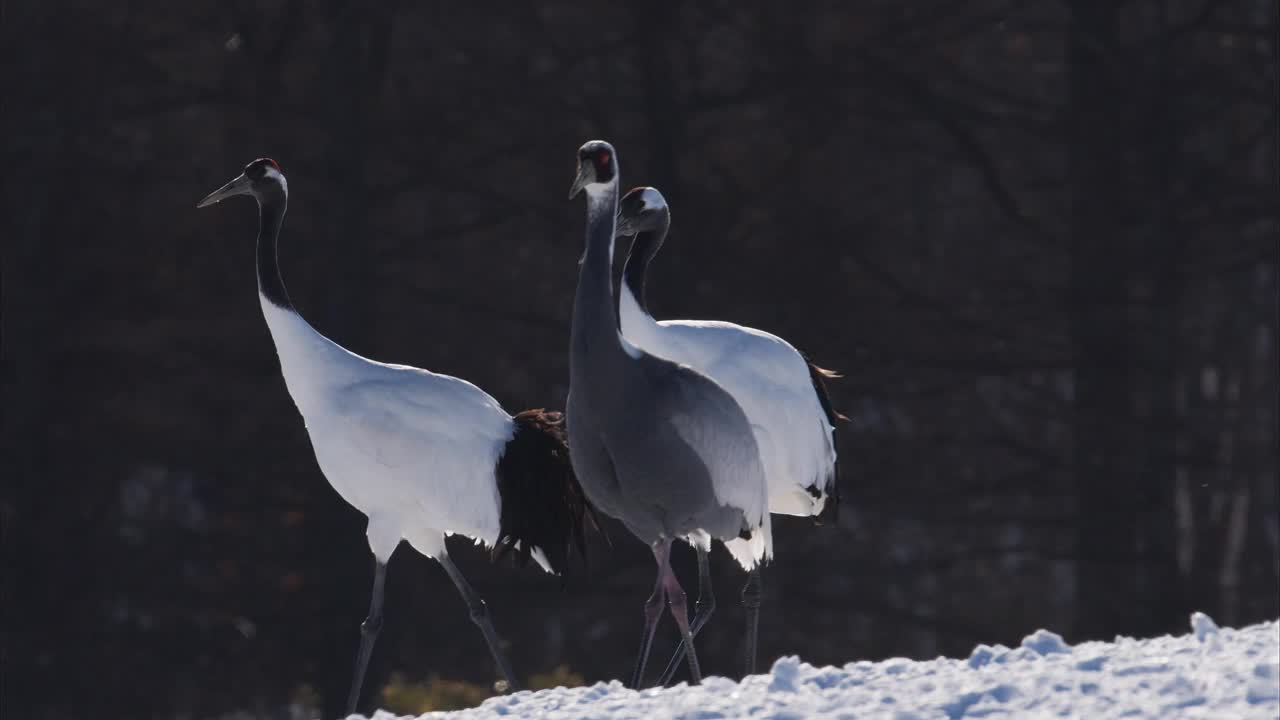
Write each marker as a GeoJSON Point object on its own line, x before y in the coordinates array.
{"type": "Point", "coordinates": [368, 634]}
{"type": "Point", "coordinates": [678, 602]}
{"type": "Point", "coordinates": [705, 606]}
{"type": "Point", "coordinates": [480, 616]}
{"type": "Point", "coordinates": [751, 601]}
{"type": "Point", "coordinates": [652, 613]}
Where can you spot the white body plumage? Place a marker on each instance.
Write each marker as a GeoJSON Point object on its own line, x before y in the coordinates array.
{"type": "Point", "coordinates": [770, 379]}
{"type": "Point", "coordinates": [413, 450]}
{"type": "Point", "coordinates": [422, 455]}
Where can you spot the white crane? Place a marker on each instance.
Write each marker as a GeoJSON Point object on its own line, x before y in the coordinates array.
{"type": "Point", "coordinates": [423, 455]}
{"type": "Point", "coordinates": [781, 392]}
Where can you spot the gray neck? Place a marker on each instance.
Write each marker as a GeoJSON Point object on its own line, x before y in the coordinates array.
{"type": "Point", "coordinates": [594, 342]}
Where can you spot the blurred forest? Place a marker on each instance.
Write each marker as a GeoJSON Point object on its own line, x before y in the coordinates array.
{"type": "Point", "coordinates": [1038, 237]}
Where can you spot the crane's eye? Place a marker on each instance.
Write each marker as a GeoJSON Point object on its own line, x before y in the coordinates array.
{"type": "Point", "coordinates": [603, 158]}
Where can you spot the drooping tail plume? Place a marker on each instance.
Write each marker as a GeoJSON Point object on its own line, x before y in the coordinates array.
{"type": "Point", "coordinates": [819, 376]}
{"type": "Point", "coordinates": [543, 507]}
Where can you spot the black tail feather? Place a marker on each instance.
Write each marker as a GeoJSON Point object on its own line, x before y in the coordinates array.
{"type": "Point", "coordinates": [543, 505]}
{"type": "Point", "coordinates": [818, 377]}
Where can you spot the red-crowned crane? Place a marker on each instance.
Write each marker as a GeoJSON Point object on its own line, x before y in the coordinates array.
{"type": "Point", "coordinates": [423, 455]}
{"type": "Point", "coordinates": [782, 393]}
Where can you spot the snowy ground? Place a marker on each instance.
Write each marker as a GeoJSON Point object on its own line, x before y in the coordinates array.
{"type": "Point", "coordinates": [1210, 673]}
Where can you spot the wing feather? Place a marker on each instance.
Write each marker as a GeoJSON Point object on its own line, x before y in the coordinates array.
{"type": "Point", "coordinates": [706, 421]}
{"type": "Point", "coordinates": [438, 439]}
{"type": "Point", "coordinates": [771, 381]}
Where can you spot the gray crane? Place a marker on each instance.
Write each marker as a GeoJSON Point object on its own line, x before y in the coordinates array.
{"type": "Point", "coordinates": [657, 445]}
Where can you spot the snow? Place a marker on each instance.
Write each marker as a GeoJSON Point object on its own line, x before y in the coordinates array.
{"type": "Point", "coordinates": [1045, 643]}
{"type": "Point", "coordinates": [1210, 673]}
{"type": "Point", "coordinates": [1203, 626]}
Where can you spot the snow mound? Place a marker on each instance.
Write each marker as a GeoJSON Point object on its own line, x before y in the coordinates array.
{"type": "Point", "coordinates": [1237, 675]}
{"type": "Point", "coordinates": [1202, 625]}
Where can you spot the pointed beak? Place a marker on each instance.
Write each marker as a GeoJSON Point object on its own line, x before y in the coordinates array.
{"type": "Point", "coordinates": [239, 186]}
{"type": "Point", "coordinates": [584, 177]}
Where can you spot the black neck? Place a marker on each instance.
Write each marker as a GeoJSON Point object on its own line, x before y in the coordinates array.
{"type": "Point", "coordinates": [271, 208]}
{"type": "Point", "coordinates": [643, 248]}
{"type": "Point", "coordinates": [594, 335]}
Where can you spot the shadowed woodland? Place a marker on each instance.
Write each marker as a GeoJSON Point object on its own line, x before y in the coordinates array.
{"type": "Point", "coordinates": [1038, 238]}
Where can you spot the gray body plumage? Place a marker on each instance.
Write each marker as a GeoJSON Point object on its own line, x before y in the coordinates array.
{"type": "Point", "coordinates": [640, 467]}
{"type": "Point", "coordinates": [655, 444]}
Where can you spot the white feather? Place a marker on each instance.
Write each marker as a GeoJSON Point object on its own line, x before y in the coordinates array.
{"type": "Point", "coordinates": [651, 199]}
{"type": "Point", "coordinates": [413, 450]}
{"type": "Point", "coordinates": [751, 551]}
{"type": "Point", "coordinates": [629, 348]}
{"type": "Point", "coordinates": [769, 379]}
{"type": "Point", "coordinates": [278, 176]}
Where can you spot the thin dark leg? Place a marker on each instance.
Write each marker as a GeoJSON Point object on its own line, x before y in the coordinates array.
{"type": "Point", "coordinates": [368, 634]}
{"type": "Point", "coordinates": [678, 602]}
{"type": "Point", "coordinates": [480, 616]}
{"type": "Point", "coordinates": [705, 606]}
{"type": "Point", "coordinates": [652, 614]}
{"type": "Point", "coordinates": [751, 601]}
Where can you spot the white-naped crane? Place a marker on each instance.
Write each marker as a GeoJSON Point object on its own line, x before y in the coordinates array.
{"type": "Point", "coordinates": [781, 391]}
{"type": "Point", "coordinates": [654, 443]}
{"type": "Point", "coordinates": [422, 455]}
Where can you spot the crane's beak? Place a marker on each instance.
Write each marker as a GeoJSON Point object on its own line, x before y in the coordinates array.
{"type": "Point", "coordinates": [239, 186]}
{"type": "Point", "coordinates": [583, 179]}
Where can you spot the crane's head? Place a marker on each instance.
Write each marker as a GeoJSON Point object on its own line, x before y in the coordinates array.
{"type": "Point", "coordinates": [260, 178]}
{"type": "Point", "coordinates": [642, 209]}
{"type": "Point", "coordinates": [597, 168]}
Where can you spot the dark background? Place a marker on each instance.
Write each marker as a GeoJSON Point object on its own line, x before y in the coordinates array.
{"type": "Point", "coordinates": [1039, 238]}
